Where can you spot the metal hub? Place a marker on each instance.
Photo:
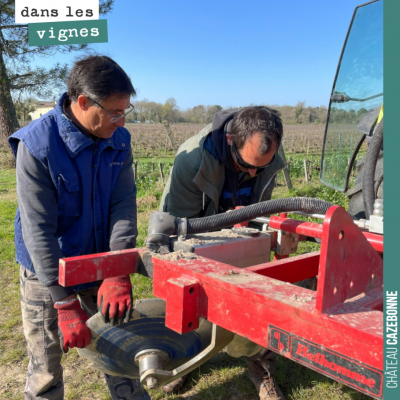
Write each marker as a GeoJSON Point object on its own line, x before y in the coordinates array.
{"type": "Point", "coordinates": [151, 359]}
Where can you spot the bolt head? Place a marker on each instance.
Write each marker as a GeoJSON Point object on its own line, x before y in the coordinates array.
{"type": "Point", "coordinates": [151, 383]}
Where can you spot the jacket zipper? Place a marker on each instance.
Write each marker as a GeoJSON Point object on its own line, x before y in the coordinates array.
{"type": "Point", "coordinates": [268, 183]}
{"type": "Point", "coordinates": [93, 189]}
{"type": "Point", "coordinates": [262, 193]}
{"type": "Point", "coordinates": [95, 151]}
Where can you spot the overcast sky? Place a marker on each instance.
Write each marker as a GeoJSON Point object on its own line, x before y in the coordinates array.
{"type": "Point", "coordinates": [230, 53]}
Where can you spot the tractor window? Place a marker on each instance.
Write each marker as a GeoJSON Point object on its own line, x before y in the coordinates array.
{"type": "Point", "coordinates": [358, 89]}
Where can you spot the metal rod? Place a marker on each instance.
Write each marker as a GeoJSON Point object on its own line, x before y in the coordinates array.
{"type": "Point", "coordinates": [292, 225]}
{"type": "Point", "coordinates": [285, 171]}
{"type": "Point", "coordinates": [315, 230]}
{"type": "Point", "coordinates": [340, 146]}
{"type": "Point", "coordinates": [375, 240]}
{"type": "Point", "coordinates": [264, 220]}
{"type": "Point", "coordinates": [361, 223]}
{"type": "Point", "coordinates": [318, 216]}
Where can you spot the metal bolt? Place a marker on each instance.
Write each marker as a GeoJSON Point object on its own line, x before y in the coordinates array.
{"type": "Point", "coordinates": [378, 207]}
{"type": "Point", "coordinates": [151, 383]}
{"type": "Point", "coordinates": [232, 272]}
{"type": "Point", "coordinates": [151, 359]}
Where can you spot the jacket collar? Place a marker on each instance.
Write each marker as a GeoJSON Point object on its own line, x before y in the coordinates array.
{"type": "Point", "coordinates": [75, 141]}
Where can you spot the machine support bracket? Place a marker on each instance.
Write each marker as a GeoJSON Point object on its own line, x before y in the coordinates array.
{"type": "Point", "coordinates": [219, 339]}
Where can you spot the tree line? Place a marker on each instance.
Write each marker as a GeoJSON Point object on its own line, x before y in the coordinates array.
{"type": "Point", "coordinates": [152, 112]}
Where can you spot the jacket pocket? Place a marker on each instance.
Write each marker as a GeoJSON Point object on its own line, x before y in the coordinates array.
{"type": "Point", "coordinates": [33, 321]}
{"type": "Point", "coordinates": [69, 194]}
{"type": "Point", "coordinates": [40, 323]}
{"type": "Point", "coordinates": [39, 317]}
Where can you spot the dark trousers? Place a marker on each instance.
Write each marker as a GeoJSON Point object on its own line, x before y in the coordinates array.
{"type": "Point", "coordinates": [266, 358]}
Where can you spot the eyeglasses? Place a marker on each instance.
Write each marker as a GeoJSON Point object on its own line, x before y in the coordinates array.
{"type": "Point", "coordinates": [243, 163]}
{"type": "Point", "coordinates": [114, 118]}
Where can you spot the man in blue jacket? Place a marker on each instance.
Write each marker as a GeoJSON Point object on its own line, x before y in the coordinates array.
{"type": "Point", "coordinates": [76, 196]}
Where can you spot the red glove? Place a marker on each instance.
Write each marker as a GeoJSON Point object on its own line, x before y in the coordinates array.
{"type": "Point", "coordinates": [114, 300]}
{"type": "Point", "coordinates": [72, 323]}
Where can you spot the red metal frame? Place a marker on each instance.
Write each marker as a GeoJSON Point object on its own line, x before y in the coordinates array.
{"type": "Point", "coordinates": [337, 330]}
{"type": "Point", "coordinates": [290, 269]}
{"type": "Point", "coordinates": [96, 267]}
{"type": "Point", "coordinates": [315, 230]}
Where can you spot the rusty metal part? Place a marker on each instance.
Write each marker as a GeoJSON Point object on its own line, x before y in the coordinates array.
{"type": "Point", "coordinates": [287, 243]}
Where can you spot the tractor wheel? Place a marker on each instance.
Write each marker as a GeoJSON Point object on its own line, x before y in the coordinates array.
{"type": "Point", "coordinates": [355, 194]}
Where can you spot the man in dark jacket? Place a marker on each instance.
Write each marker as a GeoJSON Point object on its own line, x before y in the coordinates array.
{"type": "Point", "coordinates": [231, 162]}
{"type": "Point", "coordinates": [76, 196]}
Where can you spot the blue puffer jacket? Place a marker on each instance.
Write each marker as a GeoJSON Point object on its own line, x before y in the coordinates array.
{"type": "Point", "coordinates": [83, 198]}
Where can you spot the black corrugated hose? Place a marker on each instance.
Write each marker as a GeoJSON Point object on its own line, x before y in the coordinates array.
{"type": "Point", "coordinates": [368, 182]}
{"type": "Point", "coordinates": [219, 221]}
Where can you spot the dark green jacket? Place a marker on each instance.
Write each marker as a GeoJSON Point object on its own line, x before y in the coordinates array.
{"type": "Point", "coordinates": [197, 179]}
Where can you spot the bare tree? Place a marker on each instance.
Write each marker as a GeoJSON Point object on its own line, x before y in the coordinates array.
{"type": "Point", "coordinates": [211, 110]}
{"type": "Point", "coordinates": [24, 107]}
{"type": "Point", "coordinates": [170, 111]}
{"type": "Point", "coordinates": [298, 110]}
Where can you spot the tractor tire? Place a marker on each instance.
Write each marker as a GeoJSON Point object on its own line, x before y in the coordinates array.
{"type": "Point", "coordinates": [355, 194]}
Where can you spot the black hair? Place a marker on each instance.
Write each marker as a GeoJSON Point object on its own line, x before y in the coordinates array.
{"type": "Point", "coordinates": [257, 119]}
{"type": "Point", "coordinates": [98, 77]}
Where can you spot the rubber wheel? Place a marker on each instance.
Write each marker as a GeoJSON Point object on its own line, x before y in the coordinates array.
{"type": "Point", "coordinates": [355, 194]}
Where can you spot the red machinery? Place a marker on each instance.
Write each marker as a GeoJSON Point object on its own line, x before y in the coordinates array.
{"type": "Point", "coordinates": [227, 279]}
{"type": "Point", "coordinates": [336, 330]}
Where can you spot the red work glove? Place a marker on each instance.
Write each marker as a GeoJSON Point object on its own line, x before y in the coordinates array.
{"type": "Point", "coordinates": [114, 300]}
{"type": "Point", "coordinates": [72, 323]}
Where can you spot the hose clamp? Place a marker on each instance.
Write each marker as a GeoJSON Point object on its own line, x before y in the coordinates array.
{"type": "Point", "coordinates": [182, 228]}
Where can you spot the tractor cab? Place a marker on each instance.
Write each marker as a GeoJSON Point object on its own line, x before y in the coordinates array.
{"type": "Point", "coordinates": [356, 99]}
